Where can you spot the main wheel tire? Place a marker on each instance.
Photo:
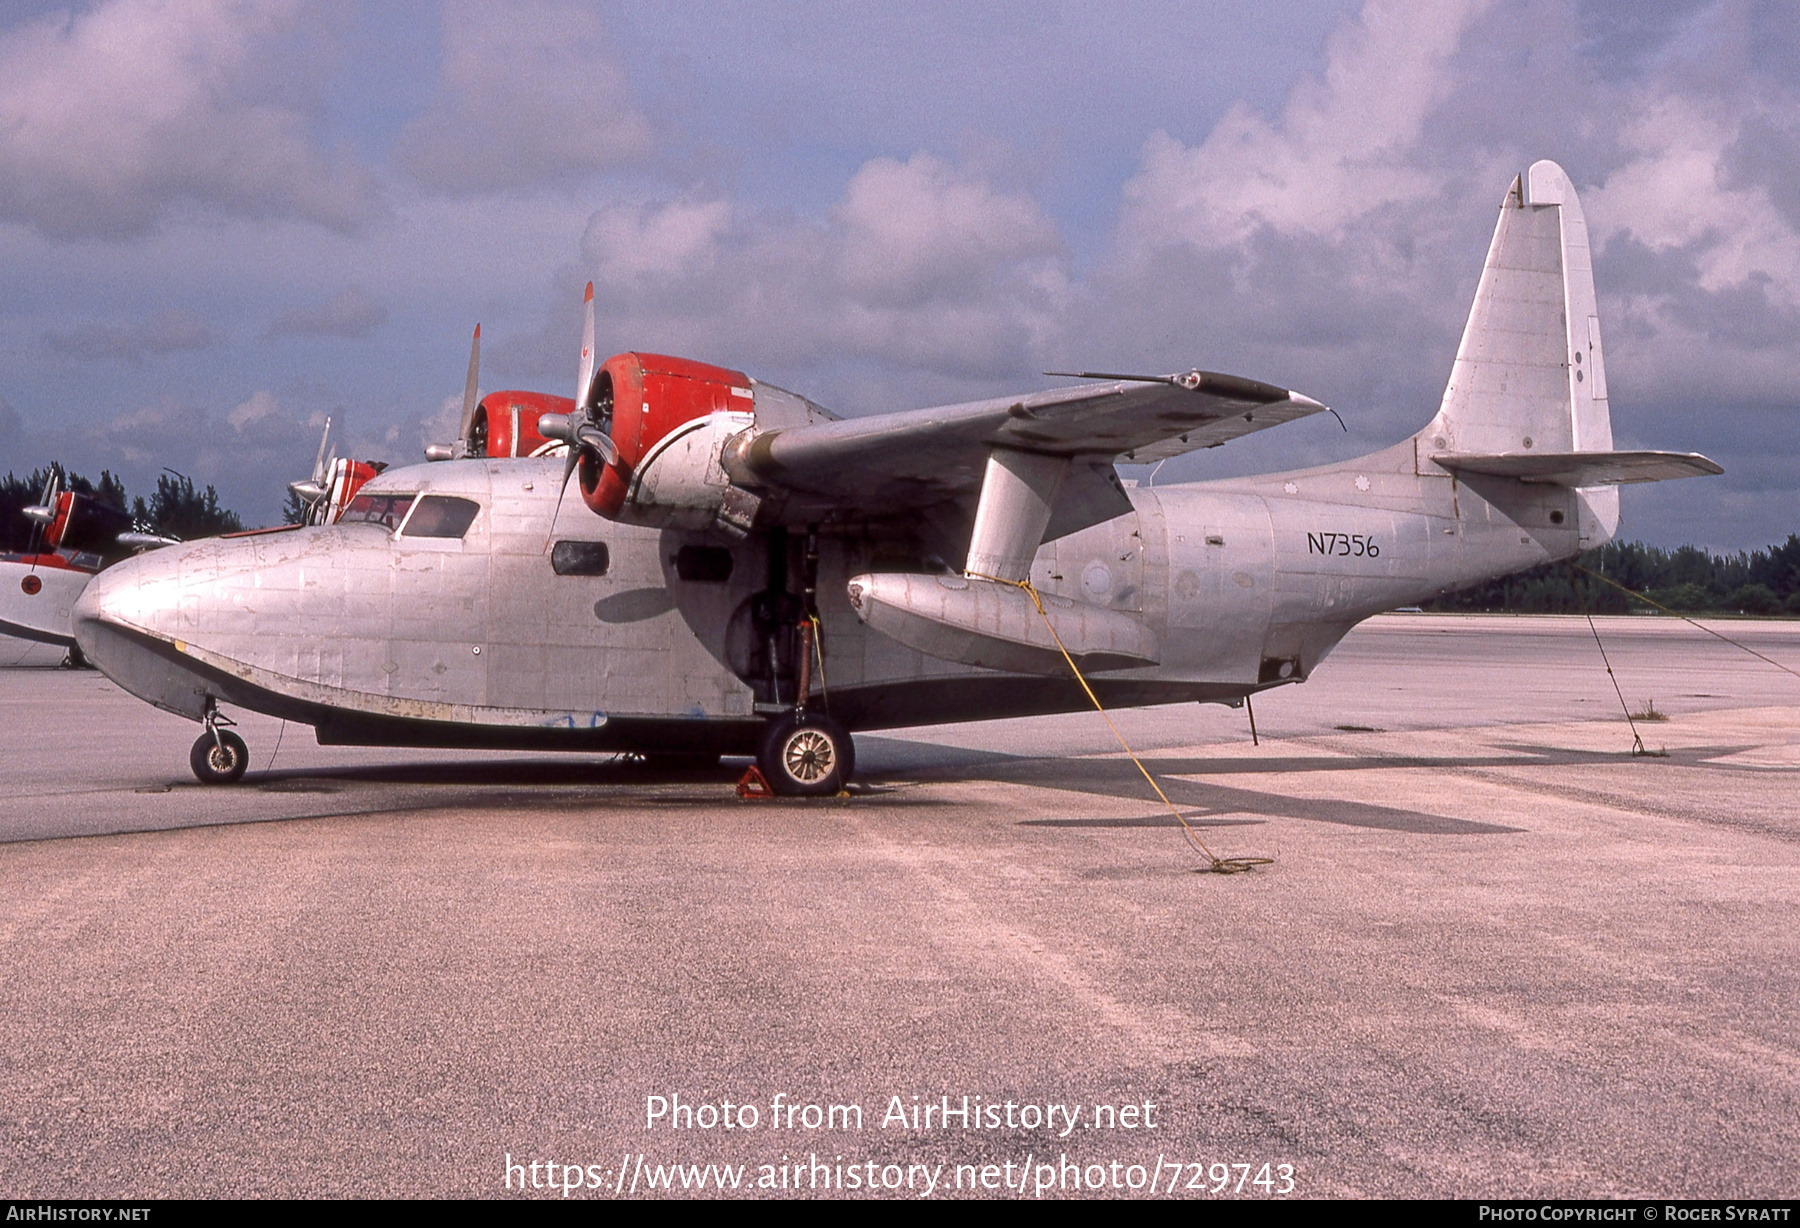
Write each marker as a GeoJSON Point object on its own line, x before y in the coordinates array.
{"type": "Point", "coordinates": [812, 757]}
{"type": "Point", "coordinates": [221, 762]}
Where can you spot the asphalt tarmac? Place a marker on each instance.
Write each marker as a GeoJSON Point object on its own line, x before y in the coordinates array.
{"type": "Point", "coordinates": [1496, 954]}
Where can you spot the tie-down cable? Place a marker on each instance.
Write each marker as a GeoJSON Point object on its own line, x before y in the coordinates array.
{"type": "Point", "coordinates": [1215, 863]}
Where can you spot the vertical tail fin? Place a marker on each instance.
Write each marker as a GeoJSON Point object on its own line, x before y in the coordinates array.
{"type": "Point", "coordinates": [1529, 374]}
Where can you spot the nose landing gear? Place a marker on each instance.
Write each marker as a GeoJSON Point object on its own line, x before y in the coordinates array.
{"type": "Point", "coordinates": [219, 756]}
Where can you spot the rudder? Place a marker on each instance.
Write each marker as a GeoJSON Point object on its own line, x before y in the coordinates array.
{"type": "Point", "coordinates": [1529, 374]}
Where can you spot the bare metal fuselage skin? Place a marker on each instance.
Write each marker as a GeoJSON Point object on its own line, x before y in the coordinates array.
{"type": "Point", "coordinates": [375, 637]}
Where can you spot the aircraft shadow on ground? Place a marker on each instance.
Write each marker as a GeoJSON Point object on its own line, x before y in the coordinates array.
{"type": "Point", "coordinates": [555, 784]}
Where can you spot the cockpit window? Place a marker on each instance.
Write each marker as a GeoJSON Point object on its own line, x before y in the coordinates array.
{"type": "Point", "coordinates": [442, 516]}
{"type": "Point", "coordinates": [385, 510]}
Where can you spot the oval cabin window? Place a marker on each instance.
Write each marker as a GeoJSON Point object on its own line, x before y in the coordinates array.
{"type": "Point", "coordinates": [579, 559]}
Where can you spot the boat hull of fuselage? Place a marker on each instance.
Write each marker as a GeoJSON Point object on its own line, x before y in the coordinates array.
{"type": "Point", "coordinates": [376, 639]}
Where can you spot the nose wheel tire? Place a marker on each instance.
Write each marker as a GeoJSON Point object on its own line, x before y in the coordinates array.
{"type": "Point", "coordinates": [809, 757]}
{"type": "Point", "coordinates": [220, 762]}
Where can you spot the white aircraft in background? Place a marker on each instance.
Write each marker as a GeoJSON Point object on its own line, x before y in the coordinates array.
{"type": "Point", "coordinates": [73, 537]}
{"type": "Point", "coordinates": [746, 572]}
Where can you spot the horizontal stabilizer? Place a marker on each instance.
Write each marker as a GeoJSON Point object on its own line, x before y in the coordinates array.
{"type": "Point", "coordinates": [1581, 468]}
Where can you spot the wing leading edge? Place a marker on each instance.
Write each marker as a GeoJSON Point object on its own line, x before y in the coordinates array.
{"type": "Point", "coordinates": [895, 463]}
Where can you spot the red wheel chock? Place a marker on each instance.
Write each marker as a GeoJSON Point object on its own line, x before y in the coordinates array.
{"type": "Point", "coordinates": [753, 786]}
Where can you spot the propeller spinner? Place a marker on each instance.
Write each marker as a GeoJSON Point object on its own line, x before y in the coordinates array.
{"type": "Point", "coordinates": [43, 515]}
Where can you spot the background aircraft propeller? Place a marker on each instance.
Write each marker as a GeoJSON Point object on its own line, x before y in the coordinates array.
{"type": "Point", "coordinates": [312, 492]}
{"type": "Point", "coordinates": [44, 513]}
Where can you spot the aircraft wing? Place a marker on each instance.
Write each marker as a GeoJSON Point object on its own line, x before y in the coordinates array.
{"type": "Point", "coordinates": [898, 462]}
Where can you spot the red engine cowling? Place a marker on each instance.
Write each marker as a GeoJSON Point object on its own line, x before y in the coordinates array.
{"type": "Point", "coordinates": [347, 477]}
{"type": "Point", "coordinates": [508, 422]}
{"type": "Point", "coordinates": [652, 396]}
{"type": "Point", "coordinates": [86, 524]}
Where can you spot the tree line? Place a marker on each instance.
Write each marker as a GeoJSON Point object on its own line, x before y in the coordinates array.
{"type": "Point", "coordinates": [1688, 579]}
{"type": "Point", "coordinates": [175, 509]}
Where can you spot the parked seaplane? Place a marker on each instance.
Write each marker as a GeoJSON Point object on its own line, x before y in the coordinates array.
{"type": "Point", "coordinates": [747, 572]}
{"type": "Point", "coordinates": [73, 537]}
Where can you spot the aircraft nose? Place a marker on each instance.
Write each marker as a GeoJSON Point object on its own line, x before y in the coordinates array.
{"type": "Point", "coordinates": [127, 624]}
{"type": "Point", "coordinates": [140, 594]}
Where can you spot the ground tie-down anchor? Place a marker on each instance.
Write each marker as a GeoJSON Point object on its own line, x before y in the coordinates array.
{"type": "Point", "coordinates": [1215, 864]}
{"type": "Point", "coordinates": [1638, 749]}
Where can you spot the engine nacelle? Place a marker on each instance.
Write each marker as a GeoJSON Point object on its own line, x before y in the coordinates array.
{"type": "Point", "coordinates": [506, 423]}
{"type": "Point", "coordinates": [83, 523]}
{"type": "Point", "coordinates": [669, 419]}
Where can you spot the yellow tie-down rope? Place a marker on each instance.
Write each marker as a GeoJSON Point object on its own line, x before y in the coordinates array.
{"type": "Point", "coordinates": [1219, 865]}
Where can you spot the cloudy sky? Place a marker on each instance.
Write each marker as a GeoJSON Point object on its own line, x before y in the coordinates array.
{"type": "Point", "coordinates": [221, 221]}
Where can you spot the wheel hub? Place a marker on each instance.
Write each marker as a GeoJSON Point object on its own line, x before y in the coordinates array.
{"type": "Point", "coordinates": [809, 756]}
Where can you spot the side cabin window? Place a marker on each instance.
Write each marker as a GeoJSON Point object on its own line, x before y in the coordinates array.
{"type": "Point", "coordinates": [580, 559]}
{"type": "Point", "coordinates": [385, 510]}
{"type": "Point", "coordinates": [441, 516]}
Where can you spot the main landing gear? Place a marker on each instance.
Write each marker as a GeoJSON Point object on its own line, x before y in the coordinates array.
{"type": "Point", "coordinates": [806, 754]}
{"type": "Point", "coordinates": [219, 756]}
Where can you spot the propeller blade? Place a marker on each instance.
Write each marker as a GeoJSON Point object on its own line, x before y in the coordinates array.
{"type": "Point", "coordinates": [579, 435]}
{"type": "Point", "coordinates": [322, 509]}
{"type": "Point", "coordinates": [562, 489]}
{"type": "Point", "coordinates": [41, 523]}
{"type": "Point", "coordinates": [584, 374]}
{"type": "Point", "coordinates": [318, 473]}
{"type": "Point", "coordinates": [469, 388]}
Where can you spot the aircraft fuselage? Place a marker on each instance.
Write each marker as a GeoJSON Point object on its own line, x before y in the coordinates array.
{"type": "Point", "coordinates": [680, 642]}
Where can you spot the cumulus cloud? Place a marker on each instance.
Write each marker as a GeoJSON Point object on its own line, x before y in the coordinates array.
{"type": "Point", "coordinates": [1335, 246]}
{"type": "Point", "coordinates": [165, 332]}
{"type": "Point", "coordinates": [920, 231]}
{"type": "Point", "coordinates": [350, 313]}
{"type": "Point", "coordinates": [531, 93]}
{"type": "Point", "coordinates": [163, 430]}
{"type": "Point", "coordinates": [1698, 221]}
{"type": "Point", "coordinates": [249, 451]}
{"type": "Point", "coordinates": [921, 264]}
{"type": "Point", "coordinates": [112, 117]}
{"type": "Point", "coordinates": [262, 404]}
{"type": "Point", "coordinates": [1342, 148]}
